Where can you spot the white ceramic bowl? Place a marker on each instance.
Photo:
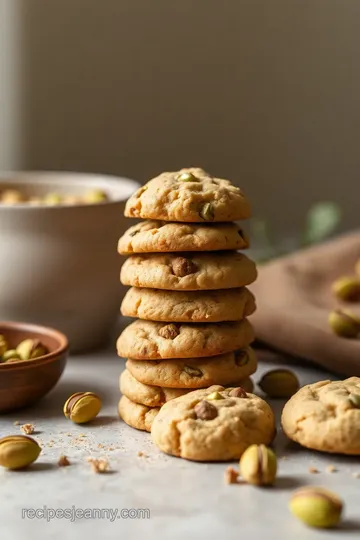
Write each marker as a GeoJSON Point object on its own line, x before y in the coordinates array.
{"type": "Point", "coordinates": [59, 265]}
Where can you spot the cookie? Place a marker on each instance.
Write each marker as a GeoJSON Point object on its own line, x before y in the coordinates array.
{"type": "Point", "coordinates": [156, 396]}
{"type": "Point", "coordinates": [194, 373]}
{"type": "Point", "coordinates": [190, 195]}
{"type": "Point", "coordinates": [149, 340]}
{"type": "Point", "coordinates": [202, 429]}
{"type": "Point", "coordinates": [188, 306]}
{"type": "Point", "coordinates": [151, 396]}
{"type": "Point", "coordinates": [189, 271]}
{"type": "Point", "coordinates": [325, 416]}
{"type": "Point", "coordinates": [136, 415]}
{"type": "Point", "coordinates": [161, 236]}
{"type": "Point", "coordinates": [357, 268]}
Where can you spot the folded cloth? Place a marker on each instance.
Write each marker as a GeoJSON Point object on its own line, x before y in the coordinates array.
{"type": "Point", "coordinates": [294, 298]}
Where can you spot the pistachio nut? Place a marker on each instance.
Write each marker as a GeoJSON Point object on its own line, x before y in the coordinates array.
{"type": "Point", "coordinates": [207, 212]}
{"type": "Point", "coordinates": [344, 323]}
{"type": "Point", "coordinates": [95, 196]}
{"type": "Point", "coordinates": [258, 465]}
{"type": "Point", "coordinates": [82, 407]}
{"type": "Point", "coordinates": [3, 344]}
{"type": "Point", "coordinates": [10, 354]}
{"type": "Point", "coordinates": [316, 507]}
{"type": "Point", "coordinates": [347, 289]}
{"type": "Point", "coordinates": [52, 199]}
{"type": "Point", "coordinates": [355, 400]}
{"type": "Point", "coordinates": [214, 395]}
{"type": "Point", "coordinates": [187, 177]}
{"type": "Point", "coordinates": [30, 349]}
{"type": "Point", "coordinates": [279, 383]}
{"type": "Point", "coordinates": [18, 451]}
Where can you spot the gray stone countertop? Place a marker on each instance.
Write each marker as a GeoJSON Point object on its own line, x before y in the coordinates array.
{"type": "Point", "coordinates": [186, 500]}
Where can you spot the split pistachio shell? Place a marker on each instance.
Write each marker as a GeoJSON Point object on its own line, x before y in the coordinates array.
{"type": "Point", "coordinates": [347, 289]}
{"type": "Point", "coordinates": [30, 349]}
{"type": "Point", "coordinates": [316, 507]}
{"type": "Point", "coordinates": [258, 465]}
{"type": "Point", "coordinates": [82, 407]}
{"type": "Point", "coordinates": [344, 323]}
{"type": "Point", "coordinates": [18, 451]}
{"type": "Point", "coordinates": [279, 383]}
{"type": "Point", "coordinates": [95, 196]}
{"type": "Point", "coordinates": [10, 354]}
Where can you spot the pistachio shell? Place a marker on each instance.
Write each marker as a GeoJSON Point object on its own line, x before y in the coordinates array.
{"type": "Point", "coordinates": [344, 323]}
{"type": "Point", "coordinates": [258, 465]}
{"type": "Point", "coordinates": [10, 353]}
{"type": "Point", "coordinates": [95, 196]}
{"type": "Point", "coordinates": [316, 507]}
{"type": "Point", "coordinates": [30, 349]}
{"type": "Point", "coordinates": [279, 383]}
{"type": "Point", "coordinates": [82, 407]}
{"type": "Point", "coordinates": [18, 451]}
{"type": "Point", "coordinates": [347, 289]}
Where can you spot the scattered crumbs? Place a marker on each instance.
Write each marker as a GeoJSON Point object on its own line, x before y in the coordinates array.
{"type": "Point", "coordinates": [313, 470]}
{"type": "Point", "coordinates": [110, 449]}
{"type": "Point", "coordinates": [356, 474]}
{"type": "Point", "coordinates": [99, 466]}
{"type": "Point", "coordinates": [231, 476]}
{"type": "Point", "coordinates": [28, 429]}
{"type": "Point", "coordinates": [51, 441]}
{"type": "Point", "coordinates": [100, 445]}
{"type": "Point", "coordinates": [142, 454]}
{"type": "Point", "coordinates": [331, 469]}
{"type": "Point", "coordinates": [69, 434]}
{"type": "Point", "coordinates": [16, 423]}
{"type": "Point", "coordinates": [63, 461]}
{"type": "Point", "coordinates": [82, 435]}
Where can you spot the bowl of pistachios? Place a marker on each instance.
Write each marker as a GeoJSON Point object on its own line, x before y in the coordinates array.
{"type": "Point", "coordinates": [58, 245]}
{"type": "Point", "coordinates": [32, 359]}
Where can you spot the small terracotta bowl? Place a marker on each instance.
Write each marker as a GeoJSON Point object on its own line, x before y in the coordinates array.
{"type": "Point", "coordinates": [25, 382]}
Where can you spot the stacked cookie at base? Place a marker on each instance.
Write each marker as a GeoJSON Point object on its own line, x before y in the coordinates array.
{"type": "Point", "coordinates": [188, 291]}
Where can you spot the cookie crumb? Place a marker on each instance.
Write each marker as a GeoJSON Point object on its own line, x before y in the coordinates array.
{"type": "Point", "coordinates": [16, 423]}
{"type": "Point", "coordinates": [331, 469]}
{"type": "Point", "coordinates": [63, 461]}
{"type": "Point", "coordinates": [99, 466]}
{"type": "Point", "coordinates": [356, 474]}
{"type": "Point", "coordinates": [231, 476]}
{"type": "Point", "coordinates": [100, 445]}
{"type": "Point", "coordinates": [28, 429]}
{"type": "Point", "coordinates": [313, 470]}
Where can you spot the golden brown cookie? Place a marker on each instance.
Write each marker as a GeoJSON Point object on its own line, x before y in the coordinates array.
{"type": "Point", "coordinates": [156, 396]}
{"type": "Point", "coordinates": [225, 369]}
{"type": "Point", "coordinates": [190, 195]}
{"type": "Point", "coordinates": [325, 416]}
{"type": "Point", "coordinates": [151, 396]}
{"type": "Point", "coordinates": [149, 340]}
{"type": "Point", "coordinates": [188, 306]}
{"type": "Point", "coordinates": [163, 236]}
{"type": "Point", "coordinates": [136, 415]}
{"type": "Point", "coordinates": [189, 271]}
{"type": "Point", "coordinates": [200, 428]}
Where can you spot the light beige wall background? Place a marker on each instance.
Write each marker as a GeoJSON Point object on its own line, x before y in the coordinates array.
{"type": "Point", "coordinates": [264, 92]}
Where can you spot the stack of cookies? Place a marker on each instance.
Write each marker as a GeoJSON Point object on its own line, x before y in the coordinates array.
{"type": "Point", "coordinates": [188, 293]}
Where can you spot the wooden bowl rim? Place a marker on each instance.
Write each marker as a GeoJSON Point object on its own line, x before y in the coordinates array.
{"type": "Point", "coordinates": [63, 344]}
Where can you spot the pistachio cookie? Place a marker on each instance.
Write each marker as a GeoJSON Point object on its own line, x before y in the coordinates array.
{"type": "Point", "coordinates": [189, 271]}
{"type": "Point", "coordinates": [156, 396]}
{"type": "Point", "coordinates": [151, 396]}
{"type": "Point", "coordinates": [215, 424]}
{"type": "Point", "coordinates": [194, 373]}
{"type": "Point", "coordinates": [136, 415]}
{"type": "Point", "coordinates": [162, 236]}
{"type": "Point", "coordinates": [188, 306]}
{"type": "Point", "coordinates": [149, 340]}
{"type": "Point", "coordinates": [190, 195]}
{"type": "Point", "coordinates": [325, 416]}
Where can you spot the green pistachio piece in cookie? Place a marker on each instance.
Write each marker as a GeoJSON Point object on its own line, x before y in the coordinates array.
{"type": "Point", "coordinates": [207, 212]}
{"type": "Point", "coordinates": [187, 177]}
{"type": "Point", "coordinates": [193, 372]}
{"type": "Point", "coordinates": [215, 395]}
{"type": "Point", "coordinates": [355, 400]}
